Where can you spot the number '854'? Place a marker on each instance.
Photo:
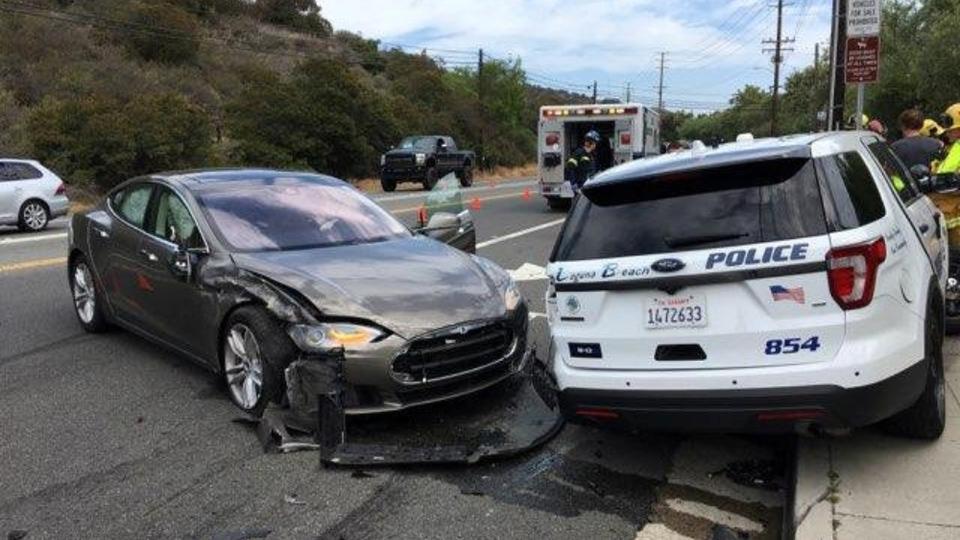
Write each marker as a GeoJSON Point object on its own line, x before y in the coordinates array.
{"type": "Point", "coordinates": [791, 345]}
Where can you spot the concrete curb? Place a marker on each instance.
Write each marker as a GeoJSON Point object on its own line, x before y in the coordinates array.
{"type": "Point", "coordinates": [812, 501]}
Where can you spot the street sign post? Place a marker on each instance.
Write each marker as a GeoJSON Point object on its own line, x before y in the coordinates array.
{"type": "Point", "coordinates": [862, 48]}
{"type": "Point", "coordinates": [863, 59]}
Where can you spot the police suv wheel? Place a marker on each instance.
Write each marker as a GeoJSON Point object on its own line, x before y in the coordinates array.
{"type": "Point", "coordinates": [926, 418]}
{"type": "Point", "coordinates": [952, 325]}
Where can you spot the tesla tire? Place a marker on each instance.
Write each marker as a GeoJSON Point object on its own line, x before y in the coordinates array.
{"type": "Point", "coordinates": [255, 351]}
{"type": "Point", "coordinates": [87, 298]}
{"type": "Point", "coordinates": [34, 216]}
{"type": "Point", "coordinates": [926, 418]}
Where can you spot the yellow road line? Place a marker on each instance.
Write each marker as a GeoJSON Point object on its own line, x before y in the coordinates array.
{"type": "Point", "coordinates": [33, 265]}
{"type": "Point", "coordinates": [46, 263]}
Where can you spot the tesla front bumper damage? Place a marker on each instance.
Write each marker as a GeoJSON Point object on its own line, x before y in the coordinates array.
{"type": "Point", "coordinates": [499, 421]}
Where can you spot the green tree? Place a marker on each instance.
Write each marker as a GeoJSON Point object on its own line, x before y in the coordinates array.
{"type": "Point", "coordinates": [97, 141]}
{"type": "Point", "coordinates": [161, 32]}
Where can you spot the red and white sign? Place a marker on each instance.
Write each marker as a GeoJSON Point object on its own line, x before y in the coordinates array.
{"type": "Point", "coordinates": [863, 59]}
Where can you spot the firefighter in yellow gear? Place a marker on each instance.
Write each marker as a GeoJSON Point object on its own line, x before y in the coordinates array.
{"type": "Point", "coordinates": [951, 134]}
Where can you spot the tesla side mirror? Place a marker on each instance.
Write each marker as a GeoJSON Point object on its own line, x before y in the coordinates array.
{"type": "Point", "coordinates": [455, 230]}
{"type": "Point", "coordinates": [181, 264]}
{"type": "Point", "coordinates": [921, 174]}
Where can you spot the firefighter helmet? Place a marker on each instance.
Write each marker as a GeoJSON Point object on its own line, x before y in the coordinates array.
{"type": "Point", "coordinates": [592, 135]}
{"type": "Point", "coordinates": [931, 128]}
{"type": "Point", "coordinates": [951, 117]}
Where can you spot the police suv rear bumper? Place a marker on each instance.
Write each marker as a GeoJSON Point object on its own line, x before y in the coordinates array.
{"type": "Point", "coordinates": [752, 410]}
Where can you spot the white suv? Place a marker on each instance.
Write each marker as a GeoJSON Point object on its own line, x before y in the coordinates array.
{"type": "Point", "coordinates": [769, 285]}
{"type": "Point", "coordinates": [30, 194]}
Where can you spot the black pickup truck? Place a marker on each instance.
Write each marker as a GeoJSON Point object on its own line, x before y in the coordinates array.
{"type": "Point", "coordinates": [426, 159]}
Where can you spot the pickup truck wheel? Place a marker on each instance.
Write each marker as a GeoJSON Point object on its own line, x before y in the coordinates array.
{"type": "Point", "coordinates": [926, 418]}
{"type": "Point", "coordinates": [431, 179]}
{"type": "Point", "coordinates": [466, 177]}
{"type": "Point", "coordinates": [388, 185]}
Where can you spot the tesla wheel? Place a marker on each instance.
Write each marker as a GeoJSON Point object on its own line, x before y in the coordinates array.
{"type": "Point", "coordinates": [466, 177]}
{"type": "Point", "coordinates": [34, 216]}
{"type": "Point", "coordinates": [86, 297]}
{"type": "Point", "coordinates": [255, 350]}
{"type": "Point", "coordinates": [388, 185]}
{"type": "Point", "coordinates": [926, 418]}
{"type": "Point", "coordinates": [431, 179]}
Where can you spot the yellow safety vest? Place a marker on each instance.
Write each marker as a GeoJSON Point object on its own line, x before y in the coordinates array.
{"type": "Point", "coordinates": [898, 183]}
{"type": "Point", "coordinates": [951, 164]}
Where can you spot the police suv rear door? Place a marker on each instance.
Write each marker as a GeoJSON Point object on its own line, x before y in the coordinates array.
{"type": "Point", "coordinates": [698, 269]}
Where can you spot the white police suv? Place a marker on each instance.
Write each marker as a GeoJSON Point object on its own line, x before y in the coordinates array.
{"type": "Point", "coordinates": [769, 285]}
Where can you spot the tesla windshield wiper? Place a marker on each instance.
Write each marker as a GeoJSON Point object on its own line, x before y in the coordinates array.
{"type": "Point", "coordinates": [687, 241]}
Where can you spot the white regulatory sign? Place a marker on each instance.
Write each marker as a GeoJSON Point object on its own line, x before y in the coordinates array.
{"type": "Point", "coordinates": [863, 18]}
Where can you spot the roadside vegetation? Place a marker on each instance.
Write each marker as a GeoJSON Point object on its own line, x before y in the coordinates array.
{"type": "Point", "coordinates": [102, 90]}
{"type": "Point", "coordinates": [920, 52]}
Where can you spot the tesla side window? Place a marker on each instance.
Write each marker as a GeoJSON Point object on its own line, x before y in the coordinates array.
{"type": "Point", "coordinates": [174, 223]}
{"type": "Point", "coordinates": [131, 203]}
{"type": "Point", "coordinates": [288, 213]}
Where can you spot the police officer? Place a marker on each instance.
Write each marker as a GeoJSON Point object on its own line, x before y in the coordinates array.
{"type": "Point", "coordinates": [951, 136]}
{"type": "Point", "coordinates": [583, 162]}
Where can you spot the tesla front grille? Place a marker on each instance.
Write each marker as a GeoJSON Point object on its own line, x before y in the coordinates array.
{"type": "Point", "coordinates": [454, 351]}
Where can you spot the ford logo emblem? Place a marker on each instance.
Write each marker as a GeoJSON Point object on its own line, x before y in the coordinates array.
{"type": "Point", "coordinates": [668, 265]}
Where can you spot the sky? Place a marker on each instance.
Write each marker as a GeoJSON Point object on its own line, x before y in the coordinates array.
{"type": "Point", "coordinates": [713, 47]}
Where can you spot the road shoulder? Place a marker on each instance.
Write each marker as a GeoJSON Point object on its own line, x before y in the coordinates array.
{"type": "Point", "coordinates": [872, 485]}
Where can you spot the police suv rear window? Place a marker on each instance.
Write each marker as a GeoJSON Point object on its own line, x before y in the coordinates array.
{"type": "Point", "coordinates": [763, 201]}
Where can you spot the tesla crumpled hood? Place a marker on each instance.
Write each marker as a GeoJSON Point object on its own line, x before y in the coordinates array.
{"type": "Point", "coordinates": [409, 286]}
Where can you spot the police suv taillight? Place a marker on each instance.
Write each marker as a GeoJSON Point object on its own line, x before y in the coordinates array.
{"type": "Point", "coordinates": [852, 272]}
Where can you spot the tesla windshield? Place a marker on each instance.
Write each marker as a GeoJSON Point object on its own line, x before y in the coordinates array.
{"type": "Point", "coordinates": [287, 213]}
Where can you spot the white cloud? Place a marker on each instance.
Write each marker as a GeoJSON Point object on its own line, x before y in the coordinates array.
{"type": "Point", "coordinates": [614, 40]}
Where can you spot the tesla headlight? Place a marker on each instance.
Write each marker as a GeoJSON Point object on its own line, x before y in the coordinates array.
{"type": "Point", "coordinates": [327, 336]}
{"type": "Point", "coordinates": [512, 296]}
{"type": "Point", "coordinates": [421, 159]}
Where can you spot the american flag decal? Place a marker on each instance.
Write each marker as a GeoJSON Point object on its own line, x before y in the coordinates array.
{"type": "Point", "coordinates": [781, 293]}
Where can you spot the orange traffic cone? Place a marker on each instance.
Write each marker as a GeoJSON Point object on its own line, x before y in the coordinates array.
{"type": "Point", "coordinates": [476, 203]}
{"type": "Point", "coordinates": [422, 215]}
{"type": "Point", "coordinates": [526, 194]}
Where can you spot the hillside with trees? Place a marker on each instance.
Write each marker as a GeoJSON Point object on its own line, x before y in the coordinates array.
{"type": "Point", "coordinates": [103, 90]}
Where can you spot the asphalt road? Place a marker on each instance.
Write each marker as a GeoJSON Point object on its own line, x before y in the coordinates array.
{"type": "Point", "coordinates": [110, 436]}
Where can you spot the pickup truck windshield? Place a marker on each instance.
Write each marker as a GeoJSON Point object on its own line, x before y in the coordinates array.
{"type": "Point", "coordinates": [290, 213]}
{"type": "Point", "coordinates": [427, 144]}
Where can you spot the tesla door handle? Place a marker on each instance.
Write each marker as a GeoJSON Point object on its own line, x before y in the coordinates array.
{"type": "Point", "coordinates": [150, 256]}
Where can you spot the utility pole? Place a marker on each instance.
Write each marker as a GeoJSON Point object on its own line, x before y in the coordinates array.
{"type": "Point", "coordinates": [838, 44]}
{"type": "Point", "coordinates": [815, 124]}
{"type": "Point", "coordinates": [594, 91]}
{"type": "Point", "coordinates": [480, 99]}
{"type": "Point", "coordinates": [628, 92]}
{"type": "Point", "coordinates": [777, 51]}
{"type": "Point", "coordinates": [663, 58]}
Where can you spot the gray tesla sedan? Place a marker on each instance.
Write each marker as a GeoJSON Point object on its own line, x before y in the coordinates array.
{"type": "Point", "coordinates": [248, 271]}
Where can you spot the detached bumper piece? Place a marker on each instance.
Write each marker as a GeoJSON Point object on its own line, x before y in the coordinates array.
{"type": "Point", "coordinates": [509, 419]}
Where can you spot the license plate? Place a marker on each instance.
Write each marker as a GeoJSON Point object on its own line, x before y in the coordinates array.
{"type": "Point", "coordinates": [682, 311]}
{"type": "Point", "coordinates": [566, 190]}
